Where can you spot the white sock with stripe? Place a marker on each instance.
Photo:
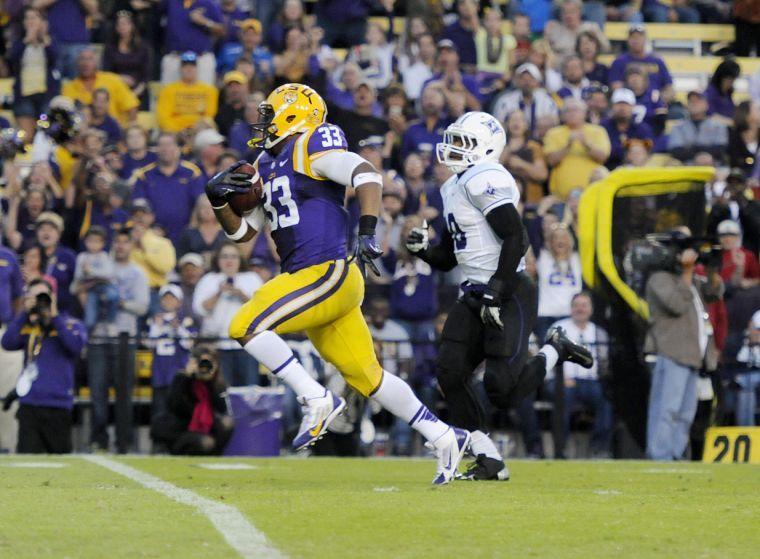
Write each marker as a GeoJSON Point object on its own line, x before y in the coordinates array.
{"type": "Point", "coordinates": [550, 355]}
{"type": "Point", "coordinates": [271, 350]}
{"type": "Point", "coordinates": [397, 397]}
{"type": "Point", "coordinates": [480, 443]}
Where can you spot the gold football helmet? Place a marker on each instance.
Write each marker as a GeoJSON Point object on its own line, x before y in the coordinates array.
{"type": "Point", "coordinates": [289, 109]}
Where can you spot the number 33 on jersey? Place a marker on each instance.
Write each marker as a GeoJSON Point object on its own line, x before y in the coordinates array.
{"type": "Point", "coordinates": [304, 210]}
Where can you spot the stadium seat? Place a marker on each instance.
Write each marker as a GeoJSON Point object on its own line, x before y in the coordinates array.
{"type": "Point", "coordinates": [682, 35]}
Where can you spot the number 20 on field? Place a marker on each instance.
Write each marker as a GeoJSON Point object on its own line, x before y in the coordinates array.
{"type": "Point", "coordinates": [732, 444]}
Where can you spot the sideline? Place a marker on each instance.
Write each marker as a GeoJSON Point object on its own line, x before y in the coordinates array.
{"type": "Point", "coordinates": [240, 534]}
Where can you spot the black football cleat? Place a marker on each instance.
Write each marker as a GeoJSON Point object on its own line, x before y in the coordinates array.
{"type": "Point", "coordinates": [485, 469]}
{"type": "Point", "coordinates": [567, 349]}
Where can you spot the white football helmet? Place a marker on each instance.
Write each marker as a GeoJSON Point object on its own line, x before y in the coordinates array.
{"type": "Point", "coordinates": [473, 138]}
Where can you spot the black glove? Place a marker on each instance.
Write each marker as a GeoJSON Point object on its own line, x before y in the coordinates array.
{"type": "Point", "coordinates": [367, 248]}
{"type": "Point", "coordinates": [11, 397]}
{"type": "Point", "coordinates": [226, 183]}
{"type": "Point", "coordinates": [490, 309]}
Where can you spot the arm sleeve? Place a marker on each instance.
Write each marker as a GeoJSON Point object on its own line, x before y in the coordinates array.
{"type": "Point", "coordinates": [71, 333]}
{"type": "Point", "coordinates": [12, 339]}
{"type": "Point", "coordinates": [440, 256]}
{"type": "Point", "coordinates": [670, 292]}
{"type": "Point", "coordinates": [338, 166]}
{"type": "Point", "coordinates": [506, 223]}
{"type": "Point", "coordinates": [256, 219]}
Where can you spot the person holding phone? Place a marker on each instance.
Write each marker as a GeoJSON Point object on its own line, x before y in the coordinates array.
{"type": "Point", "coordinates": [218, 296]}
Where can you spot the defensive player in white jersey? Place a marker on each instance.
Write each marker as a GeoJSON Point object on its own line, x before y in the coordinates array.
{"type": "Point", "coordinates": [494, 316]}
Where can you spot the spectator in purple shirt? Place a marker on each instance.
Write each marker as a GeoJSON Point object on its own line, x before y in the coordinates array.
{"type": "Point", "coordinates": [462, 32]}
{"type": "Point", "coordinates": [450, 77]}
{"type": "Point", "coordinates": [191, 25]}
{"type": "Point", "coordinates": [61, 261]}
{"type": "Point", "coordinates": [344, 21]}
{"type": "Point", "coordinates": [659, 77]}
{"type": "Point", "coordinates": [343, 97]}
{"type": "Point", "coordinates": [424, 134]}
{"type": "Point", "coordinates": [32, 59]}
{"type": "Point", "coordinates": [127, 54]}
{"type": "Point", "coordinates": [649, 104]}
{"type": "Point", "coordinates": [100, 119]}
{"type": "Point", "coordinates": [53, 341]}
{"type": "Point", "coordinates": [170, 185]}
{"type": "Point", "coordinates": [719, 92]}
{"type": "Point", "coordinates": [232, 16]}
{"type": "Point", "coordinates": [574, 82]}
{"type": "Point", "coordinates": [589, 47]}
{"type": "Point", "coordinates": [291, 15]}
{"type": "Point", "coordinates": [13, 282]}
{"type": "Point", "coordinates": [68, 27]}
{"type": "Point", "coordinates": [98, 209]}
{"type": "Point", "coordinates": [138, 155]}
{"type": "Point", "coordinates": [622, 127]}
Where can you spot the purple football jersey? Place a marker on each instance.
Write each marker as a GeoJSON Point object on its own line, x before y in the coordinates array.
{"type": "Point", "coordinates": [306, 215]}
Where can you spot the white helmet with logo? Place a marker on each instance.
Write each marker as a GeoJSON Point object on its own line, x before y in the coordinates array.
{"type": "Point", "coordinates": [473, 138]}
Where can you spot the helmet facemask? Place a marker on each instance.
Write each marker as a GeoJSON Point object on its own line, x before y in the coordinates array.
{"type": "Point", "coordinates": [459, 150]}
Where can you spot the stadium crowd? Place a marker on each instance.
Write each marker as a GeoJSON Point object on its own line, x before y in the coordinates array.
{"type": "Point", "coordinates": [110, 219]}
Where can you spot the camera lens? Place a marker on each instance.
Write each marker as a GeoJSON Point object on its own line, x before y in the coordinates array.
{"type": "Point", "coordinates": [43, 300]}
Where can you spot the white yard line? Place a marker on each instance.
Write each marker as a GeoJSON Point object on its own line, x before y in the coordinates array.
{"type": "Point", "coordinates": [242, 536]}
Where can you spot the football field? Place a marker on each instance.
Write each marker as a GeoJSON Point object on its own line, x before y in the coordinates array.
{"type": "Point", "coordinates": [114, 507]}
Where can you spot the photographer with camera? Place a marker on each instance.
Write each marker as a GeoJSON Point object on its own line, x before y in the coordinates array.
{"type": "Point", "coordinates": [52, 342]}
{"type": "Point", "coordinates": [681, 338]}
{"type": "Point", "coordinates": [197, 421]}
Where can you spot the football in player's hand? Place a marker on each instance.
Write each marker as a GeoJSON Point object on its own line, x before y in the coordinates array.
{"type": "Point", "coordinates": [242, 204]}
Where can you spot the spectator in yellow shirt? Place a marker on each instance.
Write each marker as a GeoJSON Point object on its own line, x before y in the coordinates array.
{"type": "Point", "coordinates": [574, 149]}
{"type": "Point", "coordinates": [123, 103]}
{"type": "Point", "coordinates": [181, 104]}
{"type": "Point", "coordinates": [153, 252]}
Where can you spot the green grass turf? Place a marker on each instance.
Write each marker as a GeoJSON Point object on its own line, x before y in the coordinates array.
{"type": "Point", "coordinates": [336, 508]}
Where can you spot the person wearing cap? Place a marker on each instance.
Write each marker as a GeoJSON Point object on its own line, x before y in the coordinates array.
{"type": "Point", "coordinates": [171, 186]}
{"type": "Point", "coordinates": [208, 146]}
{"type": "Point", "coordinates": [192, 26]}
{"type": "Point", "coordinates": [181, 104]}
{"type": "Point", "coordinates": [123, 103]}
{"type": "Point", "coordinates": [52, 341]}
{"type": "Point", "coordinates": [528, 97]}
{"type": "Point", "coordinates": [249, 46]}
{"type": "Point", "coordinates": [574, 150]}
{"type": "Point", "coordinates": [364, 119]}
{"type": "Point", "coordinates": [621, 126]}
{"type": "Point", "coordinates": [698, 133]}
{"type": "Point", "coordinates": [190, 268]}
{"type": "Point", "coordinates": [747, 375]}
{"type": "Point", "coordinates": [153, 252]}
{"type": "Point", "coordinates": [234, 93]}
{"type": "Point", "coordinates": [449, 76]}
{"type": "Point", "coordinates": [655, 68]}
{"type": "Point", "coordinates": [61, 261]}
{"type": "Point", "coordinates": [462, 32]}
{"type": "Point", "coordinates": [736, 203]}
{"type": "Point", "coordinates": [106, 364]}
{"type": "Point", "coordinates": [740, 268]}
{"type": "Point", "coordinates": [170, 335]}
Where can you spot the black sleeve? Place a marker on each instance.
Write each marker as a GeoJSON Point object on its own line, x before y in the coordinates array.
{"type": "Point", "coordinates": [181, 401]}
{"type": "Point", "coordinates": [507, 224]}
{"type": "Point", "coordinates": [440, 256]}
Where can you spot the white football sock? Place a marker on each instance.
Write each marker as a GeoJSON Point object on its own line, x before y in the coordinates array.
{"type": "Point", "coordinates": [551, 356]}
{"type": "Point", "coordinates": [397, 397]}
{"type": "Point", "coordinates": [271, 350]}
{"type": "Point", "coordinates": [480, 443]}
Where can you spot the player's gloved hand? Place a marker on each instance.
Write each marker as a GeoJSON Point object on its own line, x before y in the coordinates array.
{"type": "Point", "coordinates": [418, 239]}
{"type": "Point", "coordinates": [226, 183]}
{"type": "Point", "coordinates": [490, 309]}
{"type": "Point", "coordinates": [367, 247]}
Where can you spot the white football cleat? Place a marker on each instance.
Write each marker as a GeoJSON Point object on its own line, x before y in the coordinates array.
{"type": "Point", "coordinates": [450, 448]}
{"type": "Point", "coordinates": [318, 413]}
